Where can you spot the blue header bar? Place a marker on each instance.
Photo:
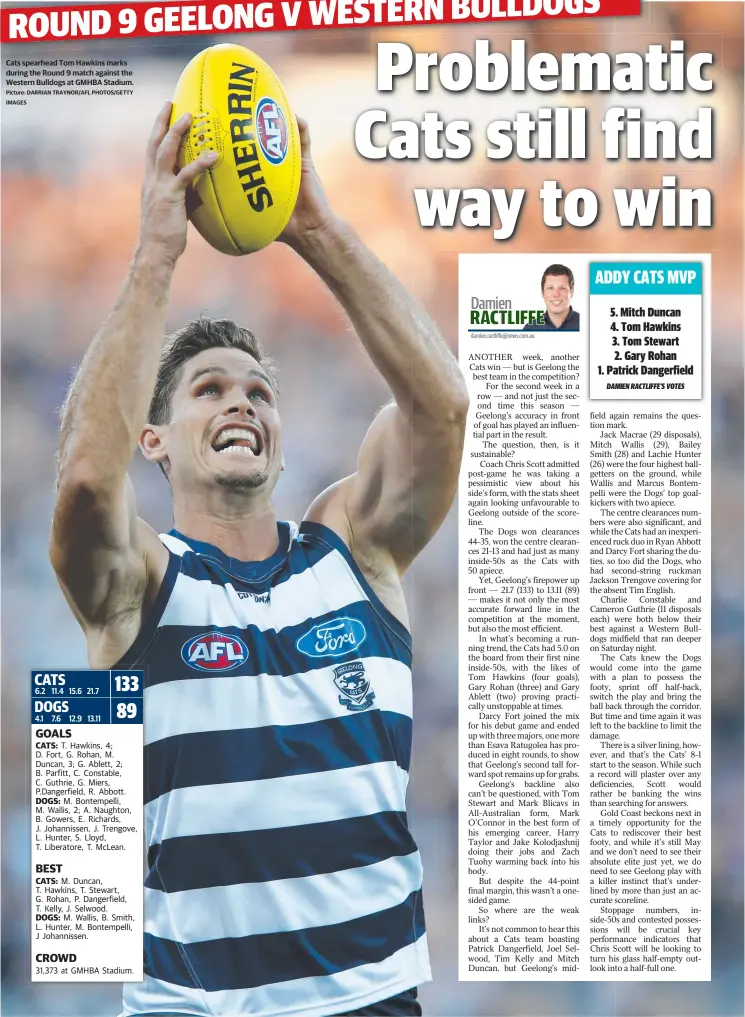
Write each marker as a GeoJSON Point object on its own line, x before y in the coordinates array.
{"type": "Point", "coordinates": [646, 278]}
{"type": "Point", "coordinates": [86, 697]}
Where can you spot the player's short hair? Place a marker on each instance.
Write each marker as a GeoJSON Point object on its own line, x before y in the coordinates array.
{"type": "Point", "coordinates": [196, 336]}
{"type": "Point", "coordinates": [558, 270]}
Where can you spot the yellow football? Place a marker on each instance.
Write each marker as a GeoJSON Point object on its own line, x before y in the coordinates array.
{"type": "Point", "coordinates": [239, 109]}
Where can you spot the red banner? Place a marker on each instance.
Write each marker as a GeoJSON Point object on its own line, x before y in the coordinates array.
{"type": "Point", "coordinates": [122, 21]}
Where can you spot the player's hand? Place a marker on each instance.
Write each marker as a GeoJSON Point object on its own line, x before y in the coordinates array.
{"type": "Point", "coordinates": [312, 213]}
{"type": "Point", "coordinates": [164, 218]}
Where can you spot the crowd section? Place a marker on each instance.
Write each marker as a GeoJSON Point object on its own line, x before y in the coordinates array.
{"type": "Point", "coordinates": [70, 187]}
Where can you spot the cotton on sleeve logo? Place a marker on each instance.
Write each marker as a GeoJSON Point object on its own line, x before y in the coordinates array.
{"type": "Point", "coordinates": [214, 651]}
{"type": "Point", "coordinates": [271, 130]}
{"type": "Point", "coordinates": [332, 639]}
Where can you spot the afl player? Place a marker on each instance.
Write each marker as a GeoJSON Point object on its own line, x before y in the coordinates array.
{"type": "Point", "coordinates": [282, 877]}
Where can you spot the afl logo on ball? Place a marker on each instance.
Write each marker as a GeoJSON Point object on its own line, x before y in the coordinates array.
{"type": "Point", "coordinates": [271, 130]}
{"type": "Point", "coordinates": [214, 651]}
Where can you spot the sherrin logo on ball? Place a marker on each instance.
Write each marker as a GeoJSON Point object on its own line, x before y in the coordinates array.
{"type": "Point", "coordinates": [239, 110]}
{"type": "Point", "coordinates": [214, 651]}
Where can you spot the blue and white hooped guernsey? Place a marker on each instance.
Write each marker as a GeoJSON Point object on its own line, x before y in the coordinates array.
{"type": "Point", "coordinates": [282, 877]}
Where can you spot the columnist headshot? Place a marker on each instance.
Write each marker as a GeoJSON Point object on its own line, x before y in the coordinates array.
{"type": "Point", "coordinates": [557, 289]}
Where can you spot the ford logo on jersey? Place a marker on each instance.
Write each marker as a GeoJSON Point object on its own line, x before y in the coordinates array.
{"type": "Point", "coordinates": [214, 651]}
{"type": "Point", "coordinates": [333, 638]}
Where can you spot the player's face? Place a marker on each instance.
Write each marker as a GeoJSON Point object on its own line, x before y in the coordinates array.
{"type": "Point", "coordinates": [557, 293]}
{"type": "Point", "coordinates": [224, 427]}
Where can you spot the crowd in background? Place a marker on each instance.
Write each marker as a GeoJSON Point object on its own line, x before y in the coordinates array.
{"type": "Point", "coordinates": [71, 171]}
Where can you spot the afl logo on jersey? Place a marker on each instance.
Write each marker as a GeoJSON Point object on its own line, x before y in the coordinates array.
{"type": "Point", "coordinates": [214, 651]}
{"type": "Point", "coordinates": [271, 130]}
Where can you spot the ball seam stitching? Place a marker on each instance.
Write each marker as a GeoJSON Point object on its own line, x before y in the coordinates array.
{"type": "Point", "coordinates": [289, 202]}
{"type": "Point", "coordinates": [209, 171]}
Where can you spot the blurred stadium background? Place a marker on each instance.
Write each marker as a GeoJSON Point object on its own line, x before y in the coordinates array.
{"type": "Point", "coordinates": [71, 173]}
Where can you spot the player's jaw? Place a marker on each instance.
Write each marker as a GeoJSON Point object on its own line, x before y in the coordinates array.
{"type": "Point", "coordinates": [239, 453]}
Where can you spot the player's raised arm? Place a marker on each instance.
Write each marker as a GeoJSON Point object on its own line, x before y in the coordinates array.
{"type": "Point", "coordinates": [102, 553]}
{"type": "Point", "coordinates": [410, 459]}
